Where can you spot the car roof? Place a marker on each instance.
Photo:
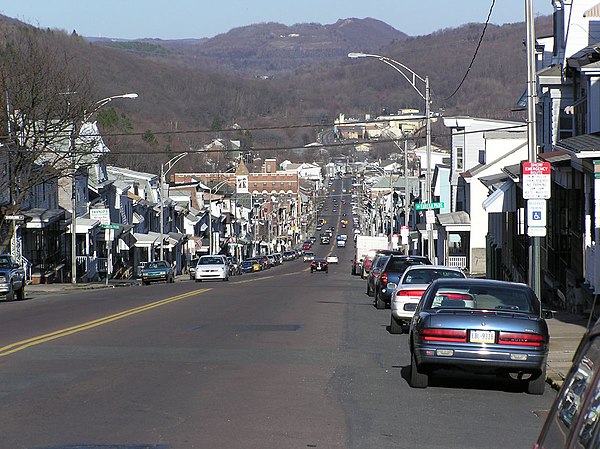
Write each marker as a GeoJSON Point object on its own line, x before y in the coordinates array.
{"type": "Point", "coordinates": [432, 267]}
{"type": "Point", "coordinates": [482, 282]}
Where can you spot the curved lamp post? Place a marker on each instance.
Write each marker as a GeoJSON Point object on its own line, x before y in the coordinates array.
{"type": "Point", "coordinates": [170, 163]}
{"type": "Point", "coordinates": [413, 78]}
{"type": "Point", "coordinates": [86, 116]}
{"type": "Point", "coordinates": [210, 192]}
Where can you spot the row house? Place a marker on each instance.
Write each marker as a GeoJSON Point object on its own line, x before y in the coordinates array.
{"type": "Point", "coordinates": [568, 136]}
{"type": "Point", "coordinates": [270, 211]}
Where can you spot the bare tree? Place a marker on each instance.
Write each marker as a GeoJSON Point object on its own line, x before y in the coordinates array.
{"type": "Point", "coordinates": [46, 92]}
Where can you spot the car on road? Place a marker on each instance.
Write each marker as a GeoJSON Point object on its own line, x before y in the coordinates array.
{"type": "Point", "coordinates": [319, 265]}
{"type": "Point", "coordinates": [289, 256]}
{"type": "Point", "coordinates": [213, 267]}
{"type": "Point", "coordinates": [341, 243]}
{"type": "Point", "coordinates": [309, 256]}
{"type": "Point", "coordinates": [12, 278]}
{"type": "Point", "coordinates": [332, 258]}
{"type": "Point", "coordinates": [250, 265]}
{"type": "Point", "coordinates": [157, 271]}
{"type": "Point", "coordinates": [574, 419]}
{"type": "Point", "coordinates": [192, 268]}
{"type": "Point", "coordinates": [480, 326]}
{"type": "Point", "coordinates": [407, 293]}
{"type": "Point", "coordinates": [306, 246]}
{"type": "Point", "coordinates": [391, 273]}
{"type": "Point", "coordinates": [378, 264]}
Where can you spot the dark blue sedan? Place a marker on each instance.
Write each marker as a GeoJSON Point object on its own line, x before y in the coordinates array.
{"type": "Point", "coordinates": [480, 325]}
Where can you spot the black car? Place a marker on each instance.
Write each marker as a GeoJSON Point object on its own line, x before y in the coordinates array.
{"type": "Point", "coordinates": [319, 265]}
{"type": "Point", "coordinates": [379, 262]}
{"type": "Point", "coordinates": [480, 326]}
{"type": "Point", "coordinates": [391, 273]}
{"type": "Point", "coordinates": [574, 419]}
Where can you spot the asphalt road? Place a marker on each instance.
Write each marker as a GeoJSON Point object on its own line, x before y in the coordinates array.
{"type": "Point", "coordinates": [278, 359]}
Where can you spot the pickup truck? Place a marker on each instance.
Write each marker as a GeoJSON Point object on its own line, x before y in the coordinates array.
{"type": "Point", "coordinates": [12, 278]}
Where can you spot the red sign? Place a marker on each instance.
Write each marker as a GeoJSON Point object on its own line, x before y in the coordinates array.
{"type": "Point", "coordinates": [537, 180]}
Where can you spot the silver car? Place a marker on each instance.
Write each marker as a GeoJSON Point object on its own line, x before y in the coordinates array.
{"type": "Point", "coordinates": [411, 286]}
{"type": "Point", "coordinates": [212, 267]}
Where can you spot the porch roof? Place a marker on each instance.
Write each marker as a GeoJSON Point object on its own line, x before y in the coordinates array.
{"type": "Point", "coordinates": [146, 240]}
{"type": "Point", "coordinates": [455, 221]}
{"type": "Point", "coordinates": [39, 218]}
{"type": "Point", "coordinates": [583, 146]}
{"type": "Point", "coordinates": [503, 199]}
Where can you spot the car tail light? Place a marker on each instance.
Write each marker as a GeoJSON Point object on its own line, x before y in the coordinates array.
{"type": "Point", "coordinates": [324, 264]}
{"type": "Point", "coordinates": [520, 339]}
{"type": "Point", "coordinates": [457, 296]}
{"type": "Point", "coordinates": [448, 335]}
{"type": "Point", "coordinates": [410, 293]}
{"type": "Point", "coordinates": [314, 264]}
{"type": "Point", "coordinates": [384, 278]}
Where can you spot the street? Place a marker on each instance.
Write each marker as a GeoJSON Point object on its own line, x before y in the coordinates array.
{"type": "Point", "coordinates": [277, 359]}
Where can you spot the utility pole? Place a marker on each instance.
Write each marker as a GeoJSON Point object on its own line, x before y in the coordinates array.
{"type": "Point", "coordinates": [534, 249]}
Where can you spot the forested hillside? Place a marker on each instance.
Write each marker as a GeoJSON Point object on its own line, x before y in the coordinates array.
{"type": "Point", "coordinates": [183, 105]}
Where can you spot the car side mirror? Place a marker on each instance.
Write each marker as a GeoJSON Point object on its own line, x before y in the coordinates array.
{"type": "Point", "coordinates": [547, 314]}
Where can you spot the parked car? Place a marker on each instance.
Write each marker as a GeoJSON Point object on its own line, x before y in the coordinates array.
{"type": "Point", "coordinates": [157, 271]}
{"type": "Point", "coordinates": [332, 258]}
{"type": "Point", "coordinates": [480, 325]}
{"type": "Point", "coordinates": [319, 265]}
{"type": "Point", "coordinates": [192, 268]}
{"type": "Point", "coordinates": [573, 420]}
{"type": "Point", "coordinates": [234, 266]}
{"type": "Point", "coordinates": [12, 278]}
{"type": "Point", "coordinates": [289, 255]}
{"type": "Point", "coordinates": [378, 263]}
{"type": "Point", "coordinates": [212, 267]}
{"type": "Point", "coordinates": [407, 293]}
{"type": "Point", "coordinates": [391, 272]}
{"type": "Point", "coordinates": [250, 265]}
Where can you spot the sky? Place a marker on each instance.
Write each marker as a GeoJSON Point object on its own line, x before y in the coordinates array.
{"type": "Point", "coordinates": [181, 19]}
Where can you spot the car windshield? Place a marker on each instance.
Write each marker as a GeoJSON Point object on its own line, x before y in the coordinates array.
{"type": "Point", "coordinates": [399, 265]}
{"type": "Point", "coordinates": [4, 262]}
{"type": "Point", "coordinates": [427, 276]}
{"type": "Point", "coordinates": [159, 264]}
{"type": "Point", "coordinates": [210, 261]}
{"type": "Point", "coordinates": [490, 298]}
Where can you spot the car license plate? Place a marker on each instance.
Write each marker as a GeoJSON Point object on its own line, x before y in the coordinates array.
{"type": "Point", "coordinates": [482, 336]}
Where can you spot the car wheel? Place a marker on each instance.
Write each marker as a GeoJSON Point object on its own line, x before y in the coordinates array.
{"type": "Point", "coordinates": [10, 295]}
{"type": "Point", "coordinates": [368, 290]}
{"type": "Point", "coordinates": [145, 282]}
{"type": "Point", "coordinates": [226, 279]}
{"type": "Point", "coordinates": [538, 385]}
{"type": "Point", "coordinates": [395, 325]}
{"type": "Point", "coordinates": [171, 280]}
{"type": "Point", "coordinates": [379, 303]}
{"type": "Point", "coordinates": [418, 379]}
{"type": "Point", "coordinates": [21, 293]}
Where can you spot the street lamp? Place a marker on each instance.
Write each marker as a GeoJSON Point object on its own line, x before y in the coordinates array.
{"type": "Point", "coordinates": [170, 163]}
{"type": "Point", "coordinates": [86, 116]}
{"type": "Point", "coordinates": [413, 78]}
{"type": "Point", "coordinates": [210, 233]}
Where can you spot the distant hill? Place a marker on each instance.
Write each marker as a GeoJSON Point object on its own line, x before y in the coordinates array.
{"type": "Point", "coordinates": [267, 49]}
{"type": "Point", "coordinates": [188, 87]}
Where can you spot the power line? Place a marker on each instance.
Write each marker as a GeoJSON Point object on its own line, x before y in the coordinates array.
{"type": "Point", "coordinates": [476, 51]}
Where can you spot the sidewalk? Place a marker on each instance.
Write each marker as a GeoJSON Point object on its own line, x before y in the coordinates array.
{"type": "Point", "coordinates": [566, 329]}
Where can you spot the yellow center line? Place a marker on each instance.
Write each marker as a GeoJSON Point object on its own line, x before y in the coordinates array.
{"type": "Point", "coordinates": [253, 280]}
{"type": "Point", "coordinates": [24, 344]}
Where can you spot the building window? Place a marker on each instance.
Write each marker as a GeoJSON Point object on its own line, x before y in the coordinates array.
{"type": "Point", "coordinates": [459, 158]}
{"type": "Point", "coordinates": [482, 157]}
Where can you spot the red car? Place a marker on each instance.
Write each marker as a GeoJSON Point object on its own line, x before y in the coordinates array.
{"type": "Point", "coordinates": [306, 246]}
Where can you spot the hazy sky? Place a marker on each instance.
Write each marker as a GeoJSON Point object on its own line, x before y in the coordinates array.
{"type": "Point", "coordinates": [178, 19]}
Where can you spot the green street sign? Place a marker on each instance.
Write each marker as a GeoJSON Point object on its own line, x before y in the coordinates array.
{"type": "Point", "coordinates": [109, 226]}
{"type": "Point", "coordinates": [425, 206]}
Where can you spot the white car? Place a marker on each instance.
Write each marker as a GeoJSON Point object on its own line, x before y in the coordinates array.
{"type": "Point", "coordinates": [341, 243]}
{"type": "Point", "coordinates": [212, 267]}
{"type": "Point", "coordinates": [411, 286]}
{"type": "Point", "coordinates": [309, 256]}
{"type": "Point", "coordinates": [332, 259]}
